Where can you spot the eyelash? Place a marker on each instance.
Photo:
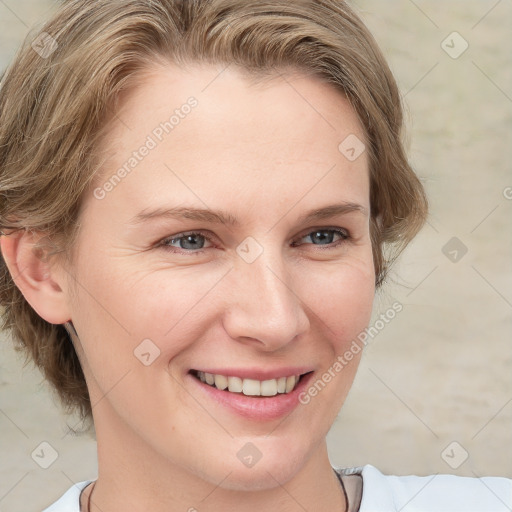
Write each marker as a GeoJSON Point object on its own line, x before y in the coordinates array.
{"type": "Point", "coordinates": [344, 234]}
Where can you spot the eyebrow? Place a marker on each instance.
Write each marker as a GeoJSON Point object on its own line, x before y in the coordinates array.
{"type": "Point", "coordinates": [226, 219]}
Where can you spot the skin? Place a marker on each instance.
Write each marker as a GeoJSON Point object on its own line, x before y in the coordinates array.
{"type": "Point", "coordinates": [266, 154]}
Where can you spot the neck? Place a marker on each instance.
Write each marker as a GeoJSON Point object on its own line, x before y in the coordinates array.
{"type": "Point", "coordinates": [132, 476]}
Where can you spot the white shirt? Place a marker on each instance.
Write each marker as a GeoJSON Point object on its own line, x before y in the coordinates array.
{"type": "Point", "coordinates": [387, 493]}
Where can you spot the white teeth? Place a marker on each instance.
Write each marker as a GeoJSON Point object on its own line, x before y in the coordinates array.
{"type": "Point", "coordinates": [250, 387]}
{"type": "Point", "coordinates": [290, 383]}
{"type": "Point", "coordinates": [221, 382]}
{"type": "Point", "coordinates": [235, 384]}
{"type": "Point", "coordinates": [269, 387]}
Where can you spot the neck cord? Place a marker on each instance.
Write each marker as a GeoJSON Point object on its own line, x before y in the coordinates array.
{"type": "Point", "coordinates": [88, 509]}
{"type": "Point", "coordinates": [344, 490]}
{"type": "Point", "coordinates": [335, 472]}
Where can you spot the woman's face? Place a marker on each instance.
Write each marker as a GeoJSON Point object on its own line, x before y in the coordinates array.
{"type": "Point", "coordinates": [228, 234]}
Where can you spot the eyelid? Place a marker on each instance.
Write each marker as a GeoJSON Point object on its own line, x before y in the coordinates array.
{"type": "Point", "coordinates": [313, 229]}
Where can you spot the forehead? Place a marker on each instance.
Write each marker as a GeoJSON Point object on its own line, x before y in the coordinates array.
{"type": "Point", "coordinates": [198, 130]}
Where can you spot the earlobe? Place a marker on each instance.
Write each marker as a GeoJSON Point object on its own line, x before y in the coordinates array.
{"type": "Point", "coordinates": [35, 277]}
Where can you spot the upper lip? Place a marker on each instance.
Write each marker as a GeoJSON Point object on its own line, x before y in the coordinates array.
{"type": "Point", "coordinates": [256, 373]}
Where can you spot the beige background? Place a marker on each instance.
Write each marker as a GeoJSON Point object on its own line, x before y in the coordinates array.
{"type": "Point", "coordinates": [440, 372]}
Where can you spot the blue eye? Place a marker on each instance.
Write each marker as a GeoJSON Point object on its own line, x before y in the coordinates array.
{"type": "Point", "coordinates": [194, 242]}
{"type": "Point", "coordinates": [326, 237]}
{"type": "Point", "coordinates": [189, 242]}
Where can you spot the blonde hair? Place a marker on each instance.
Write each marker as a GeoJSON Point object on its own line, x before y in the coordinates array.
{"type": "Point", "coordinates": [54, 103]}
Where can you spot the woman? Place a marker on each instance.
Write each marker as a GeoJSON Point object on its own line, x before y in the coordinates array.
{"type": "Point", "coordinates": [196, 202]}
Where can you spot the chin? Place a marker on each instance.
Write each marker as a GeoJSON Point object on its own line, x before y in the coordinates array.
{"type": "Point", "coordinates": [274, 464]}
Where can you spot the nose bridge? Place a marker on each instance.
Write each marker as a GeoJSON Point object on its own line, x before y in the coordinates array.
{"type": "Point", "coordinates": [264, 305]}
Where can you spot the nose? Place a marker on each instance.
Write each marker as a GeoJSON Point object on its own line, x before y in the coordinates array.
{"type": "Point", "coordinates": [264, 306]}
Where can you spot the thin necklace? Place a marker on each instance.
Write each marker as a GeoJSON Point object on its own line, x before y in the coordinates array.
{"type": "Point", "coordinates": [344, 490]}
{"type": "Point", "coordinates": [88, 509]}
{"type": "Point", "coordinates": [335, 472]}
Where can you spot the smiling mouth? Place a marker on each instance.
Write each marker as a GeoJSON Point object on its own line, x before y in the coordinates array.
{"type": "Point", "coordinates": [249, 387]}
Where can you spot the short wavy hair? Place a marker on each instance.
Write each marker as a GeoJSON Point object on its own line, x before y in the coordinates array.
{"type": "Point", "coordinates": [61, 89]}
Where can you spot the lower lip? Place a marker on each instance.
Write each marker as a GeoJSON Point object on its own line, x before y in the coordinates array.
{"type": "Point", "coordinates": [255, 408]}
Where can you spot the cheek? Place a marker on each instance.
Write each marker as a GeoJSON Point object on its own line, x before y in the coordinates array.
{"type": "Point", "coordinates": [157, 312]}
{"type": "Point", "coordinates": [174, 303]}
{"type": "Point", "coordinates": [342, 299]}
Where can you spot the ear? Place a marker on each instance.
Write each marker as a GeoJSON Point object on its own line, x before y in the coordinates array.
{"type": "Point", "coordinates": [41, 284]}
